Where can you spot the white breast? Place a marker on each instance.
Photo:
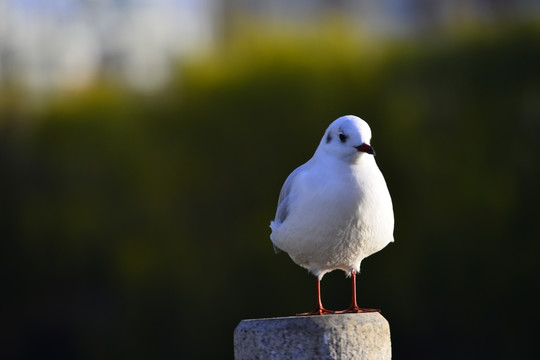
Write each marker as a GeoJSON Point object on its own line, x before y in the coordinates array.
{"type": "Point", "coordinates": [336, 219]}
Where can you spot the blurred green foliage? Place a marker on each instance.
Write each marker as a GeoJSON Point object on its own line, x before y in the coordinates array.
{"type": "Point", "coordinates": [137, 226]}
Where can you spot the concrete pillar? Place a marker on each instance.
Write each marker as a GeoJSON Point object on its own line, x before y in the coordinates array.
{"type": "Point", "coordinates": [340, 336]}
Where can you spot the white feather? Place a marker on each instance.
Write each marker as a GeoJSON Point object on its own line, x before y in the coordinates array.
{"type": "Point", "coordinates": [335, 210]}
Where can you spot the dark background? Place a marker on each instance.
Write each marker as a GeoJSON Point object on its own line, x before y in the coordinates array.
{"type": "Point", "coordinates": [137, 225]}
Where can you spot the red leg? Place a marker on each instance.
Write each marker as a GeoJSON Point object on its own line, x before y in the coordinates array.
{"type": "Point", "coordinates": [354, 307]}
{"type": "Point", "coordinates": [320, 310]}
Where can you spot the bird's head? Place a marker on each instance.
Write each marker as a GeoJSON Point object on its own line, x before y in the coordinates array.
{"type": "Point", "coordinates": [347, 138]}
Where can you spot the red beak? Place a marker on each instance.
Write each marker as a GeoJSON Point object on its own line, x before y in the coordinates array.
{"type": "Point", "coordinates": [365, 148]}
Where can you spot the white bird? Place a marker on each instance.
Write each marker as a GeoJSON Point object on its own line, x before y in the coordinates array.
{"type": "Point", "coordinates": [335, 210]}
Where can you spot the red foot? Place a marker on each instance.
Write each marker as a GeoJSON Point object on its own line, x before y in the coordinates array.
{"type": "Point", "coordinates": [356, 310]}
{"type": "Point", "coordinates": [321, 311]}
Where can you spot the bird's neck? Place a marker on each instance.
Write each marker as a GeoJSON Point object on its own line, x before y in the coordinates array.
{"type": "Point", "coordinates": [354, 160]}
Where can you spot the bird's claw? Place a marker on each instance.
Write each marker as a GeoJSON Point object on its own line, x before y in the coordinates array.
{"type": "Point", "coordinates": [356, 310]}
{"type": "Point", "coordinates": [321, 311]}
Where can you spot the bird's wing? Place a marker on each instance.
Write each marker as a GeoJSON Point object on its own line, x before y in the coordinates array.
{"type": "Point", "coordinates": [285, 195]}
{"type": "Point", "coordinates": [284, 201]}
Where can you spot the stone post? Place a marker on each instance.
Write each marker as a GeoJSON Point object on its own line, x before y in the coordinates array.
{"type": "Point", "coordinates": [340, 336]}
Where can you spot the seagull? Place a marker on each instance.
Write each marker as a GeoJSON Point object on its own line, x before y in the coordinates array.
{"type": "Point", "coordinates": [335, 210]}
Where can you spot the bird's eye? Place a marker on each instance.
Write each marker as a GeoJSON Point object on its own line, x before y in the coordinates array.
{"type": "Point", "coordinates": [342, 138]}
